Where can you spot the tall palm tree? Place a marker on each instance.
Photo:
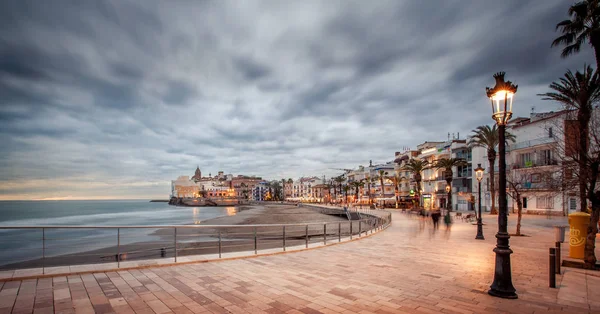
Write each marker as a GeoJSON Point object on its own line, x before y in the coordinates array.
{"type": "Point", "coordinates": [346, 188]}
{"type": "Point", "coordinates": [370, 182]}
{"type": "Point", "coordinates": [416, 166]}
{"type": "Point", "coordinates": [382, 175]}
{"type": "Point", "coordinates": [581, 92]}
{"type": "Point", "coordinates": [339, 180]}
{"type": "Point", "coordinates": [447, 164]}
{"type": "Point", "coordinates": [357, 185]}
{"type": "Point", "coordinates": [486, 137]}
{"type": "Point", "coordinates": [396, 180]}
{"type": "Point", "coordinates": [583, 26]}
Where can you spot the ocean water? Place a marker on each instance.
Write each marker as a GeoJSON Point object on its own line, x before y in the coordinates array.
{"type": "Point", "coordinates": [26, 244]}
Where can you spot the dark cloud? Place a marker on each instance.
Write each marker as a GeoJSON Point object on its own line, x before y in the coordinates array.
{"type": "Point", "coordinates": [116, 98]}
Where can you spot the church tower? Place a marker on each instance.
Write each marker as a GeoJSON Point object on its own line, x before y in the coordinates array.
{"type": "Point", "coordinates": [197, 175]}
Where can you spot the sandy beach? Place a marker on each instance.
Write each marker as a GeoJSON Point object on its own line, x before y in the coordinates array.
{"type": "Point", "coordinates": [193, 241]}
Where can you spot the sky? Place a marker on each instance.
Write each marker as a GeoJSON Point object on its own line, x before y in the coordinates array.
{"type": "Point", "coordinates": [113, 99]}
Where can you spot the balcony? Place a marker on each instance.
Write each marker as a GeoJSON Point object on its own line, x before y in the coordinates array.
{"type": "Point", "coordinates": [535, 186]}
{"type": "Point", "coordinates": [530, 143]}
{"type": "Point", "coordinates": [533, 164]}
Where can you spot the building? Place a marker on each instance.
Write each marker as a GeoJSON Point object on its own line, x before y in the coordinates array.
{"type": "Point", "coordinates": [534, 164]}
{"type": "Point", "coordinates": [260, 191]}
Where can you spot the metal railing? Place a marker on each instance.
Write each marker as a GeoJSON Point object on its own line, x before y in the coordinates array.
{"type": "Point", "coordinates": [63, 245]}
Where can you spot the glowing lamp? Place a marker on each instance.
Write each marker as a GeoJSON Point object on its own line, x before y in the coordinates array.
{"type": "Point", "coordinates": [447, 188]}
{"type": "Point", "coordinates": [501, 97]}
{"type": "Point", "coordinates": [479, 172]}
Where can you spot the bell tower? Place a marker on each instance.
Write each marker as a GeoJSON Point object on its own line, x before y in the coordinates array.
{"type": "Point", "coordinates": [197, 175]}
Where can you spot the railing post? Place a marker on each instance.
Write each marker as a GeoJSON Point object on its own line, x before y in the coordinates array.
{"type": "Point", "coordinates": [359, 228]}
{"type": "Point", "coordinates": [175, 243]}
{"type": "Point", "coordinates": [325, 234]}
{"type": "Point", "coordinates": [350, 229]}
{"type": "Point", "coordinates": [284, 238]}
{"type": "Point", "coordinates": [255, 242]}
{"type": "Point", "coordinates": [118, 247]}
{"type": "Point", "coordinates": [219, 243]}
{"type": "Point", "coordinates": [339, 232]}
{"type": "Point", "coordinates": [552, 269]}
{"type": "Point", "coordinates": [43, 250]}
{"type": "Point", "coordinates": [558, 258]}
{"type": "Point", "coordinates": [306, 236]}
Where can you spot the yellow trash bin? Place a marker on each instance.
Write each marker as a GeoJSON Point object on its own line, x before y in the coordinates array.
{"type": "Point", "coordinates": [578, 223]}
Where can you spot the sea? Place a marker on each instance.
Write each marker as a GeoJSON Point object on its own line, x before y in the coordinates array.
{"type": "Point", "coordinates": [26, 244]}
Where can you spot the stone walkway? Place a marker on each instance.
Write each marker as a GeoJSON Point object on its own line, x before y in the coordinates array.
{"type": "Point", "coordinates": [408, 268]}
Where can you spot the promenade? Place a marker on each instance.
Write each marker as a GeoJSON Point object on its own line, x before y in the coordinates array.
{"type": "Point", "coordinates": [408, 268]}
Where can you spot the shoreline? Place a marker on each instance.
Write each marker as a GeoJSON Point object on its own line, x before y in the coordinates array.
{"type": "Point", "coordinates": [196, 241]}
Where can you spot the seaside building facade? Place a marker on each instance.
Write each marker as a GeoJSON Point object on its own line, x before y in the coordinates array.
{"type": "Point", "coordinates": [220, 186]}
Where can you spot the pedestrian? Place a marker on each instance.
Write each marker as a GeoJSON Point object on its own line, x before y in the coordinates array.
{"type": "Point", "coordinates": [435, 217]}
{"type": "Point", "coordinates": [447, 220]}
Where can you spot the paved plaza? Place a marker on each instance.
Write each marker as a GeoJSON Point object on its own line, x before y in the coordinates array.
{"type": "Point", "coordinates": [408, 268]}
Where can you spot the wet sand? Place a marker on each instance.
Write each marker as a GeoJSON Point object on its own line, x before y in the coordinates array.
{"type": "Point", "coordinates": [193, 241]}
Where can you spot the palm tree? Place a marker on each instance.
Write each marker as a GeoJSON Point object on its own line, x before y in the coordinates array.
{"type": "Point", "coordinates": [382, 174]}
{"type": "Point", "coordinates": [346, 188]}
{"type": "Point", "coordinates": [396, 180]}
{"type": "Point", "coordinates": [357, 185]}
{"type": "Point", "coordinates": [580, 92]}
{"type": "Point", "coordinates": [583, 26]}
{"type": "Point", "coordinates": [370, 181]}
{"type": "Point", "coordinates": [339, 180]}
{"type": "Point", "coordinates": [447, 164]}
{"type": "Point", "coordinates": [416, 166]}
{"type": "Point", "coordinates": [486, 137]}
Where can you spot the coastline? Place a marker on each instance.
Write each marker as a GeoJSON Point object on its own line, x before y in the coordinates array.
{"type": "Point", "coordinates": [193, 241]}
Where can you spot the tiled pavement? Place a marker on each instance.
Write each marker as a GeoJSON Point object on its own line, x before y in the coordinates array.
{"type": "Point", "coordinates": [405, 269]}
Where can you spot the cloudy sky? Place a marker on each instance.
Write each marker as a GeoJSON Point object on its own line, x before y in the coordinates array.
{"type": "Point", "coordinates": [112, 99]}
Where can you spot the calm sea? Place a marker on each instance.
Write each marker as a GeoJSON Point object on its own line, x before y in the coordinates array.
{"type": "Point", "coordinates": [22, 245]}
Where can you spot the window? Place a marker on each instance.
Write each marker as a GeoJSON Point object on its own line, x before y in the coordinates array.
{"type": "Point", "coordinates": [550, 132]}
{"type": "Point", "coordinates": [546, 157]}
{"type": "Point", "coordinates": [525, 202]}
{"type": "Point", "coordinates": [545, 202]}
{"type": "Point", "coordinates": [535, 178]}
{"type": "Point", "coordinates": [525, 160]}
{"type": "Point", "coordinates": [572, 204]}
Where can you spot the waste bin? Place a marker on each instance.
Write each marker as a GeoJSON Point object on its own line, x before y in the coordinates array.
{"type": "Point", "coordinates": [578, 223]}
{"type": "Point", "coordinates": [559, 233]}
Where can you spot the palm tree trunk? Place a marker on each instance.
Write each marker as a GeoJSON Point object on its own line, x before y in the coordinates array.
{"type": "Point", "coordinates": [382, 187]}
{"type": "Point", "coordinates": [492, 161]}
{"type": "Point", "coordinates": [584, 118]}
{"type": "Point", "coordinates": [595, 41]}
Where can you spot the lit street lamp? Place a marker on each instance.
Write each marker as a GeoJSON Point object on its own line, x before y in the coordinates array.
{"type": "Point", "coordinates": [479, 176]}
{"type": "Point", "coordinates": [501, 97]}
{"type": "Point", "coordinates": [448, 188]}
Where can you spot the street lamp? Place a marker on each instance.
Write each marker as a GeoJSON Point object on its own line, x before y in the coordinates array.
{"type": "Point", "coordinates": [479, 176]}
{"type": "Point", "coordinates": [448, 188]}
{"type": "Point", "coordinates": [501, 97]}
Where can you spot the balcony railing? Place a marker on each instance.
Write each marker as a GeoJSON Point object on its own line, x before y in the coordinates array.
{"type": "Point", "coordinates": [125, 246]}
{"type": "Point", "coordinates": [532, 164]}
{"type": "Point", "coordinates": [530, 143]}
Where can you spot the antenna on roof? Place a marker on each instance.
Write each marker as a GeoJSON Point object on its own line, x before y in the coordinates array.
{"type": "Point", "coordinates": [532, 109]}
{"type": "Point", "coordinates": [448, 135]}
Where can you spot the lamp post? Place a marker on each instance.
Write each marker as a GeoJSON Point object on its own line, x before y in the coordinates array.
{"type": "Point", "coordinates": [448, 189]}
{"type": "Point", "coordinates": [501, 97]}
{"type": "Point", "coordinates": [479, 176]}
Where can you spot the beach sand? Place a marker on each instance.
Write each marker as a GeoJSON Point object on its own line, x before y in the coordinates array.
{"type": "Point", "coordinates": [193, 241]}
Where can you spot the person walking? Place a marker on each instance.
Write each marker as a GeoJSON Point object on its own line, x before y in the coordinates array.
{"type": "Point", "coordinates": [435, 217]}
{"type": "Point", "coordinates": [448, 220]}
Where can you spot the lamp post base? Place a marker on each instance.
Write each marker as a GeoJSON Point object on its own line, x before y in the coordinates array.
{"type": "Point", "coordinates": [479, 230]}
{"type": "Point", "coordinates": [502, 286]}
